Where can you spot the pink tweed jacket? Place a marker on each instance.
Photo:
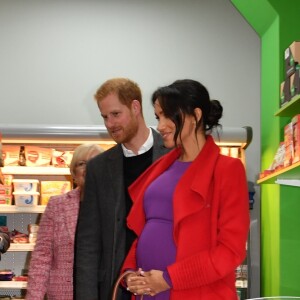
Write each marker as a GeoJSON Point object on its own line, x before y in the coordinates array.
{"type": "Point", "coordinates": [51, 265]}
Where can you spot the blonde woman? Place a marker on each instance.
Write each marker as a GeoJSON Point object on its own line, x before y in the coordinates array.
{"type": "Point", "coordinates": [51, 265]}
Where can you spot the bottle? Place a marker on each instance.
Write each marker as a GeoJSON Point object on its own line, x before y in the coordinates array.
{"type": "Point", "coordinates": [22, 158]}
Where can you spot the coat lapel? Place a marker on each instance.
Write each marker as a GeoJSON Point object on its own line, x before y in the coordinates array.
{"type": "Point", "coordinates": [70, 207]}
{"type": "Point", "coordinates": [195, 182]}
{"type": "Point", "coordinates": [136, 217]}
{"type": "Point", "coordinates": [191, 193]}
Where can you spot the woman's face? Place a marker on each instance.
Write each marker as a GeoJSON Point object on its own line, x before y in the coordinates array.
{"type": "Point", "coordinates": [167, 128]}
{"type": "Point", "coordinates": [80, 169]}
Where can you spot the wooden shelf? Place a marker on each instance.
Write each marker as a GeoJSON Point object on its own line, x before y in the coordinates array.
{"type": "Point", "coordinates": [20, 247]}
{"type": "Point", "coordinates": [291, 173]}
{"type": "Point", "coordinates": [290, 109]}
{"type": "Point", "coordinates": [13, 285]}
{"type": "Point", "coordinates": [17, 170]}
{"type": "Point", "coordinates": [13, 209]}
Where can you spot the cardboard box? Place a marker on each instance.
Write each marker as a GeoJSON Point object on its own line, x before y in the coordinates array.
{"type": "Point", "coordinates": [295, 82]}
{"type": "Point", "coordinates": [292, 58]}
{"type": "Point", "coordinates": [53, 188]}
{"type": "Point", "coordinates": [5, 189]}
{"type": "Point", "coordinates": [5, 199]}
{"type": "Point", "coordinates": [285, 92]}
{"type": "Point", "coordinates": [289, 144]}
{"type": "Point", "coordinates": [296, 137]}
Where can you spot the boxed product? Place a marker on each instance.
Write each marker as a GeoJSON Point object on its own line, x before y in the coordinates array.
{"type": "Point", "coordinates": [37, 156]}
{"type": "Point", "coordinates": [285, 92]}
{"type": "Point", "coordinates": [295, 82]}
{"type": "Point", "coordinates": [296, 137]}
{"type": "Point", "coordinates": [8, 179]}
{"type": "Point", "coordinates": [6, 199]}
{"type": "Point", "coordinates": [61, 158]}
{"type": "Point", "coordinates": [278, 161]}
{"type": "Point", "coordinates": [289, 144]}
{"type": "Point", "coordinates": [25, 185]}
{"type": "Point", "coordinates": [292, 58]}
{"type": "Point", "coordinates": [26, 198]}
{"type": "Point", "coordinates": [5, 189]}
{"type": "Point", "coordinates": [10, 155]}
{"type": "Point", "coordinates": [53, 188]}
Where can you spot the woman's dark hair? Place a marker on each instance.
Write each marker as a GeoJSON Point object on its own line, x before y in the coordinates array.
{"type": "Point", "coordinates": [181, 98]}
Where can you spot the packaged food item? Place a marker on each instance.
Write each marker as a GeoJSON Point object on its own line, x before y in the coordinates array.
{"type": "Point", "coordinates": [5, 190]}
{"type": "Point", "coordinates": [62, 159]}
{"type": "Point", "coordinates": [32, 237]}
{"type": "Point", "coordinates": [278, 161]}
{"type": "Point", "coordinates": [5, 199]}
{"type": "Point", "coordinates": [7, 179]}
{"type": "Point", "coordinates": [10, 155]}
{"type": "Point", "coordinates": [6, 275]}
{"type": "Point", "coordinates": [33, 228]}
{"type": "Point", "coordinates": [53, 188]}
{"type": "Point", "coordinates": [26, 198]}
{"type": "Point", "coordinates": [25, 185]}
{"type": "Point", "coordinates": [22, 157]}
{"type": "Point", "coordinates": [37, 156]}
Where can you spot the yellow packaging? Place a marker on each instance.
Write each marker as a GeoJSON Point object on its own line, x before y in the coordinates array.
{"type": "Point", "coordinates": [53, 188]}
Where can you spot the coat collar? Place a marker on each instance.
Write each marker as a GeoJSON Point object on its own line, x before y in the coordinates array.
{"type": "Point", "coordinates": [70, 207]}
{"type": "Point", "coordinates": [197, 180]}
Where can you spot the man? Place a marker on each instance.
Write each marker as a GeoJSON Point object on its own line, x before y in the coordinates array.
{"type": "Point", "coordinates": [103, 239]}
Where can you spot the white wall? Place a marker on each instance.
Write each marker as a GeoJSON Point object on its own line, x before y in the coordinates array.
{"type": "Point", "coordinates": [55, 54]}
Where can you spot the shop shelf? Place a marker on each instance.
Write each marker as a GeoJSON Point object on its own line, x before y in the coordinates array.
{"type": "Point", "coordinates": [13, 209]}
{"type": "Point", "coordinates": [289, 109]}
{"type": "Point", "coordinates": [17, 170]}
{"type": "Point", "coordinates": [13, 285]}
{"type": "Point", "coordinates": [290, 175]}
{"type": "Point", "coordinates": [18, 247]}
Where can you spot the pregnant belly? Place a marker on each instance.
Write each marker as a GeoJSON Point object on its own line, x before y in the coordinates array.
{"type": "Point", "coordinates": [156, 248]}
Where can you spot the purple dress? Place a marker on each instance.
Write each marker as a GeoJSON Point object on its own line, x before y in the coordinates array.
{"type": "Point", "coordinates": [156, 248]}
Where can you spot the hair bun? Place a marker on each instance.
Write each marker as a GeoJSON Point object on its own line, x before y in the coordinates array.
{"type": "Point", "coordinates": [216, 113]}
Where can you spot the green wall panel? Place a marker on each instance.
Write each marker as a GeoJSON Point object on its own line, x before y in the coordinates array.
{"type": "Point", "coordinates": [277, 23]}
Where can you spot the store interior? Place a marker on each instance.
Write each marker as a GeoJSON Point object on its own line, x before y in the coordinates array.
{"type": "Point", "coordinates": [55, 55]}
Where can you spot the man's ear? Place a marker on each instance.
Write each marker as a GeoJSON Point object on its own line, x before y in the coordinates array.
{"type": "Point", "coordinates": [136, 106]}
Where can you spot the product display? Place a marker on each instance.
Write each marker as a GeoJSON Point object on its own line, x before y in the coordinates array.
{"type": "Point", "coordinates": [23, 211]}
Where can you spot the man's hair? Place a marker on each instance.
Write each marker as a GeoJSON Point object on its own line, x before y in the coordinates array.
{"type": "Point", "coordinates": [126, 90]}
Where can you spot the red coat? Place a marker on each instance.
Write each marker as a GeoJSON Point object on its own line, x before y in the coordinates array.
{"type": "Point", "coordinates": [211, 223]}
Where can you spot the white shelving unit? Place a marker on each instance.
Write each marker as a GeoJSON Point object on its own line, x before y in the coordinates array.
{"type": "Point", "coordinates": [13, 209]}
{"type": "Point", "coordinates": [18, 217]}
{"type": "Point", "coordinates": [18, 256]}
{"type": "Point", "coordinates": [15, 247]}
{"type": "Point", "coordinates": [12, 285]}
{"type": "Point", "coordinates": [16, 170]}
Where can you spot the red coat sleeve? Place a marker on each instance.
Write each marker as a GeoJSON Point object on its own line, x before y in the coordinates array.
{"type": "Point", "coordinates": [130, 260]}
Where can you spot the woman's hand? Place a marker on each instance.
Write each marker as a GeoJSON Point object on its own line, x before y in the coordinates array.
{"type": "Point", "coordinates": [147, 283]}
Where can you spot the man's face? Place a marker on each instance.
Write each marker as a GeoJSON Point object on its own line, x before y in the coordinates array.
{"type": "Point", "coordinates": [120, 121]}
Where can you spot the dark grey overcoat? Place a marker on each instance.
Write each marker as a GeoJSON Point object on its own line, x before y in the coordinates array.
{"type": "Point", "coordinates": [100, 238]}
